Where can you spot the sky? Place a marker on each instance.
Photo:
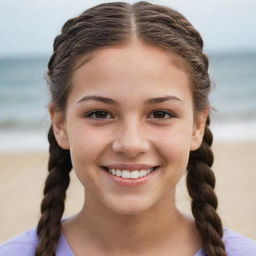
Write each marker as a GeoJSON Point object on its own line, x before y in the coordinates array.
{"type": "Point", "coordinates": [28, 27]}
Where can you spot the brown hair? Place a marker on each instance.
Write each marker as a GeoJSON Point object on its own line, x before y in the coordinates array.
{"type": "Point", "coordinates": [117, 23]}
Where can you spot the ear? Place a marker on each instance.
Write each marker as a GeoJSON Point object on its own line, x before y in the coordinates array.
{"type": "Point", "coordinates": [198, 130]}
{"type": "Point", "coordinates": [59, 126]}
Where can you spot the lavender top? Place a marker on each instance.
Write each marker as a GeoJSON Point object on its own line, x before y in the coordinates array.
{"type": "Point", "coordinates": [25, 244]}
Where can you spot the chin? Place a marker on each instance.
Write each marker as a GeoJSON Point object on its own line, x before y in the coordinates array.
{"type": "Point", "coordinates": [130, 207]}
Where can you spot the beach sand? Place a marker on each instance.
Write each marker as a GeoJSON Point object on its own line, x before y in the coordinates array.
{"type": "Point", "coordinates": [22, 178]}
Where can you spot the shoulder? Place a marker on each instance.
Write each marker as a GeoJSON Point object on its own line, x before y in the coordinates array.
{"type": "Point", "coordinates": [237, 244]}
{"type": "Point", "coordinates": [24, 243]}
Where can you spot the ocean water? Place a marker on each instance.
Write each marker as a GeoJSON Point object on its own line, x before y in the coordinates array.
{"type": "Point", "coordinates": [24, 95]}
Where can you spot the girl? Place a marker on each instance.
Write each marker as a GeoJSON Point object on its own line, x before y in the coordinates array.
{"type": "Point", "coordinates": [130, 114]}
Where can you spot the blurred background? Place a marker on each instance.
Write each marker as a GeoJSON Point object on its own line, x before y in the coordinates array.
{"type": "Point", "coordinates": [27, 32]}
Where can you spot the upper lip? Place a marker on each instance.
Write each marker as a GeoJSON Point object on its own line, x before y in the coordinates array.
{"type": "Point", "coordinates": [130, 166]}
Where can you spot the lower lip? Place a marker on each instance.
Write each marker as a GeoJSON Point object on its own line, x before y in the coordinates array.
{"type": "Point", "coordinates": [131, 182]}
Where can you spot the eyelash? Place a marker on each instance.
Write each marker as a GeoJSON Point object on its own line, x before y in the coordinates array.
{"type": "Point", "coordinates": [100, 119]}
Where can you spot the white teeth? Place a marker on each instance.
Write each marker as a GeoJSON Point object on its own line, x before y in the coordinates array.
{"type": "Point", "coordinates": [130, 174]}
{"type": "Point", "coordinates": [126, 174]}
{"type": "Point", "coordinates": [118, 173]}
{"type": "Point", "coordinates": [135, 174]}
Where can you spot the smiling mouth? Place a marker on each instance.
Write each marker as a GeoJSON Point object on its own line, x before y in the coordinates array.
{"type": "Point", "coordinates": [127, 174]}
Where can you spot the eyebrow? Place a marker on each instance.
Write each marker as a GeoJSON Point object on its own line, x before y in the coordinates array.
{"type": "Point", "coordinates": [110, 101]}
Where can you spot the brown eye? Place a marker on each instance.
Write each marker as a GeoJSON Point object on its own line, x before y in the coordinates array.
{"type": "Point", "coordinates": [160, 114]}
{"type": "Point", "coordinates": [99, 115]}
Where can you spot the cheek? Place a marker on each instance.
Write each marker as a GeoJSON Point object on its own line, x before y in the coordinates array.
{"type": "Point", "coordinates": [174, 149]}
{"type": "Point", "coordinates": [173, 144]}
{"type": "Point", "coordinates": [86, 145]}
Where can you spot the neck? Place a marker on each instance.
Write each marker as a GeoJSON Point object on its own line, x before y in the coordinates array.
{"type": "Point", "coordinates": [97, 226]}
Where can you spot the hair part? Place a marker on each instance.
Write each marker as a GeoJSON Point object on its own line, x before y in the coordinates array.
{"type": "Point", "coordinates": [116, 24]}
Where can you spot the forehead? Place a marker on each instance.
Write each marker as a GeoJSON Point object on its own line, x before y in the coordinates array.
{"type": "Point", "coordinates": [134, 53]}
{"type": "Point", "coordinates": [136, 69]}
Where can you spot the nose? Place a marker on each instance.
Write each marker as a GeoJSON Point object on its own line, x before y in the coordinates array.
{"type": "Point", "coordinates": [131, 140]}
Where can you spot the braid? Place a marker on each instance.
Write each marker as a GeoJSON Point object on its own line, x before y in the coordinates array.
{"type": "Point", "coordinates": [200, 184]}
{"type": "Point", "coordinates": [52, 206]}
{"type": "Point", "coordinates": [110, 24]}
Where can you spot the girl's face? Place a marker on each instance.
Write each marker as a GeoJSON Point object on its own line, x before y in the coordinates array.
{"type": "Point", "coordinates": [130, 130]}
